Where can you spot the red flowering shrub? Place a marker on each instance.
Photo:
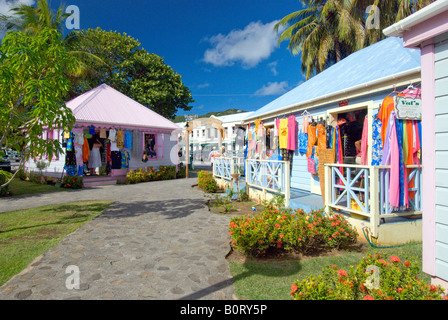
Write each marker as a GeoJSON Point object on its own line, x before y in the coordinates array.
{"type": "Point", "coordinates": [206, 181]}
{"type": "Point", "coordinates": [289, 230]}
{"type": "Point", "coordinates": [374, 278]}
{"type": "Point", "coordinates": [74, 182]}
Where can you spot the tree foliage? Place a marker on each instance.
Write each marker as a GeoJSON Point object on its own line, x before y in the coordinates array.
{"type": "Point", "coordinates": [130, 69]}
{"type": "Point", "coordinates": [33, 85]}
{"type": "Point", "coordinates": [326, 31]}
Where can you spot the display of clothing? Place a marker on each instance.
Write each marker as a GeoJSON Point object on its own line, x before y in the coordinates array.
{"type": "Point", "coordinates": [113, 135]}
{"type": "Point", "coordinates": [377, 142]}
{"type": "Point", "coordinates": [125, 159]}
{"type": "Point", "coordinates": [312, 138]}
{"type": "Point", "coordinates": [103, 133]}
{"type": "Point", "coordinates": [291, 143]}
{"type": "Point", "coordinates": [128, 140]}
{"type": "Point", "coordinates": [116, 159]}
{"type": "Point", "coordinates": [321, 136]}
{"type": "Point", "coordinates": [95, 158]}
{"type": "Point", "coordinates": [79, 138]}
{"type": "Point", "coordinates": [386, 107]}
{"type": "Point", "coordinates": [283, 133]}
{"type": "Point", "coordinates": [364, 141]}
{"type": "Point", "coordinates": [120, 139]}
{"type": "Point", "coordinates": [85, 150]}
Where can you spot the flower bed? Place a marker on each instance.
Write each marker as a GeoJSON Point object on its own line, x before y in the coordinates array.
{"type": "Point", "coordinates": [375, 278]}
{"type": "Point", "coordinates": [287, 230]}
{"type": "Point", "coordinates": [72, 182]}
{"type": "Point", "coordinates": [207, 182]}
{"type": "Point", "coordinates": [150, 174]}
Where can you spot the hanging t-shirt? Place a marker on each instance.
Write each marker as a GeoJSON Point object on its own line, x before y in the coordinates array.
{"type": "Point", "coordinates": [113, 135]}
{"type": "Point", "coordinates": [128, 140]}
{"type": "Point", "coordinates": [92, 130]}
{"type": "Point", "coordinates": [120, 140]}
{"type": "Point", "coordinates": [124, 159]}
{"type": "Point", "coordinates": [103, 133]}
{"type": "Point", "coordinates": [283, 133]}
{"type": "Point", "coordinates": [79, 138]}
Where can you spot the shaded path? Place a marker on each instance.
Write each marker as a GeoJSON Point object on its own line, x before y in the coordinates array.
{"type": "Point", "coordinates": [156, 241]}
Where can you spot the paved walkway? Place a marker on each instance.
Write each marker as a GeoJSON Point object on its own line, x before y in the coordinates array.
{"type": "Point", "coordinates": [156, 241]}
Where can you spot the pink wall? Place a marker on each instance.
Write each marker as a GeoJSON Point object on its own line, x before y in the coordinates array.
{"type": "Point", "coordinates": [422, 36]}
{"type": "Point", "coordinates": [428, 158]}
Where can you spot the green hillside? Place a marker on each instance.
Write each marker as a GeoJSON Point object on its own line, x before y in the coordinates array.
{"type": "Point", "coordinates": [178, 119]}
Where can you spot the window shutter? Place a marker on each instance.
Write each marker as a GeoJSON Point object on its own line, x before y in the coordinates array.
{"type": "Point", "coordinates": [160, 144]}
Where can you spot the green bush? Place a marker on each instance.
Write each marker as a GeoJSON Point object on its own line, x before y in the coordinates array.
{"type": "Point", "coordinates": [287, 230]}
{"type": "Point", "coordinates": [4, 177]}
{"type": "Point", "coordinates": [206, 181]}
{"type": "Point", "coordinates": [74, 182]}
{"type": "Point", "coordinates": [21, 174]}
{"type": "Point", "coordinates": [374, 278]}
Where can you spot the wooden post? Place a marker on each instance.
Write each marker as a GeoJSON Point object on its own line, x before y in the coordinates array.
{"type": "Point", "coordinates": [187, 155]}
{"type": "Point", "coordinates": [374, 201]}
{"type": "Point", "coordinates": [287, 183]}
{"type": "Point", "coordinates": [328, 187]}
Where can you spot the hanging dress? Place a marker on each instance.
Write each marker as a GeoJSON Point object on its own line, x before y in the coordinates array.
{"type": "Point", "coordinates": [303, 136]}
{"type": "Point", "coordinates": [291, 145]}
{"type": "Point", "coordinates": [312, 138]}
{"type": "Point", "coordinates": [321, 136]}
{"type": "Point", "coordinates": [85, 150]}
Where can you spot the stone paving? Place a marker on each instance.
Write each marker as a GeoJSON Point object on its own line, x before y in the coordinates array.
{"type": "Point", "coordinates": [156, 241]}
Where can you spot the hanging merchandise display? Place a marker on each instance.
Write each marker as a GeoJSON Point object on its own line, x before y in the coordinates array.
{"type": "Point", "coordinates": [120, 140]}
{"type": "Point", "coordinates": [401, 148]}
{"type": "Point", "coordinates": [303, 134]}
{"type": "Point", "coordinates": [292, 124]}
{"type": "Point", "coordinates": [283, 133]}
{"type": "Point", "coordinates": [321, 135]}
{"type": "Point", "coordinates": [312, 137]}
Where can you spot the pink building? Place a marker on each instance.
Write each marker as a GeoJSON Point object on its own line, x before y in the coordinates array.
{"type": "Point", "coordinates": [427, 30]}
{"type": "Point", "coordinates": [104, 113]}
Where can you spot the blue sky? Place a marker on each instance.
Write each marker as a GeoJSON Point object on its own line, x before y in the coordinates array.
{"type": "Point", "coordinates": [225, 50]}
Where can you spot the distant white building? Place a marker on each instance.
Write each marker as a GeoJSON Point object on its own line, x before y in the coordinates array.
{"type": "Point", "coordinates": [204, 138]}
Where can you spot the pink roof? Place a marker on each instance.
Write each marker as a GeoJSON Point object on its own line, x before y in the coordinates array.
{"type": "Point", "coordinates": [106, 105]}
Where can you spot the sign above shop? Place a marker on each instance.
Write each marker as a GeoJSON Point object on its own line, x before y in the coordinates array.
{"type": "Point", "coordinates": [343, 103]}
{"type": "Point", "coordinates": [408, 108]}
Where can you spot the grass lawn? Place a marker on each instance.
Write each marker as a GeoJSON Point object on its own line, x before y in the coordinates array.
{"type": "Point", "coordinates": [271, 279]}
{"type": "Point", "coordinates": [19, 187]}
{"type": "Point", "coordinates": [26, 234]}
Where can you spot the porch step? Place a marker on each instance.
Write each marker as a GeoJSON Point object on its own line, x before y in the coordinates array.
{"type": "Point", "coordinates": [99, 181]}
{"type": "Point", "coordinates": [305, 200]}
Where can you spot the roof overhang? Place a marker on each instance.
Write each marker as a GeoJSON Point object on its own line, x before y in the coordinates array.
{"type": "Point", "coordinates": [423, 15]}
{"type": "Point", "coordinates": [396, 80]}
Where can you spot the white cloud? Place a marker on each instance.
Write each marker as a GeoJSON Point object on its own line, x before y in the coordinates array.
{"type": "Point", "coordinates": [273, 67]}
{"type": "Point", "coordinates": [272, 89]}
{"type": "Point", "coordinates": [5, 9]}
{"type": "Point", "coordinates": [203, 85]}
{"type": "Point", "coordinates": [248, 46]}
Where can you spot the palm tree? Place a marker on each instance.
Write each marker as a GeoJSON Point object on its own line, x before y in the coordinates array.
{"type": "Point", "coordinates": [326, 31]}
{"type": "Point", "coordinates": [33, 19]}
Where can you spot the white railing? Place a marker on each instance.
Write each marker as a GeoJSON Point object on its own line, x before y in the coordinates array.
{"type": "Point", "coordinates": [364, 190]}
{"type": "Point", "coordinates": [269, 176]}
{"type": "Point", "coordinates": [224, 167]}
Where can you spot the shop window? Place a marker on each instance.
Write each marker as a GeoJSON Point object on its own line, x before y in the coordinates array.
{"type": "Point", "coordinates": [153, 145]}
